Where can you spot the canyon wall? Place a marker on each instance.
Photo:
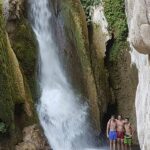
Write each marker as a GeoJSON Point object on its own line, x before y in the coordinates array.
{"type": "Point", "coordinates": [138, 14]}
{"type": "Point", "coordinates": [139, 24]}
{"type": "Point", "coordinates": [18, 57]}
{"type": "Point", "coordinates": [93, 50]}
{"type": "Point", "coordinates": [123, 77]}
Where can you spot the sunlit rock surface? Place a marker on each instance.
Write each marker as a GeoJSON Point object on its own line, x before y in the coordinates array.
{"type": "Point", "coordinates": [142, 102]}
{"type": "Point", "coordinates": [33, 139]}
{"type": "Point", "coordinates": [98, 31]}
{"type": "Point", "coordinates": [138, 12]}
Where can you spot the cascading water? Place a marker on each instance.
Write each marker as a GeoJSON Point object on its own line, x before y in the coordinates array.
{"type": "Point", "coordinates": [63, 117]}
{"type": "Point", "coordinates": [142, 98]}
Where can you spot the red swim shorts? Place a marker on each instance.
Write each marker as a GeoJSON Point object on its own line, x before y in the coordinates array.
{"type": "Point", "coordinates": [120, 135]}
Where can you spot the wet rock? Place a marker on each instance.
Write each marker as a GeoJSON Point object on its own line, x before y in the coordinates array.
{"type": "Point", "coordinates": [33, 139]}
{"type": "Point", "coordinates": [71, 32]}
{"type": "Point", "coordinates": [26, 146]}
{"type": "Point", "coordinates": [15, 7]}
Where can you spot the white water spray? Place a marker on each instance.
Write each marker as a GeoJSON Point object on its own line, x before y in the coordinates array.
{"type": "Point", "coordinates": [142, 98]}
{"type": "Point", "coordinates": [63, 117]}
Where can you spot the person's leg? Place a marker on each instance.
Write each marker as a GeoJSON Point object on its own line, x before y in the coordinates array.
{"type": "Point", "coordinates": [118, 144]}
{"type": "Point", "coordinates": [111, 140]}
{"type": "Point", "coordinates": [122, 144]}
{"type": "Point", "coordinates": [125, 143]}
{"type": "Point", "coordinates": [130, 143]}
{"type": "Point", "coordinates": [126, 147]}
{"type": "Point", "coordinates": [111, 145]}
{"type": "Point", "coordinates": [114, 145]}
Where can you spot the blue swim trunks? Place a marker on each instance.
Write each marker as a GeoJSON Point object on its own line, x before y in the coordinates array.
{"type": "Point", "coordinates": [112, 135]}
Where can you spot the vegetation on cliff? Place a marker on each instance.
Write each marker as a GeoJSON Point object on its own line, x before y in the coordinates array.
{"type": "Point", "coordinates": [76, 31]}
{"type": "Point", "coordinates": [17, 78]}
{"type": "Point", "coordinates": [115, 14]}
{"type": "Point", "coordinates": [88, 8]}
{"type": "Point", "coordinates": [6, 102]}
{"type": "Point", "coordinates": [24, 45]}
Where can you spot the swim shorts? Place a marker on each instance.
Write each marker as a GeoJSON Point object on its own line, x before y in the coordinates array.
{"type": "Point", "coordinates": [112, 135]}
{"type": "Point", "coordinates": [127, 140]}
{"type": "Point", "coordinates": [120, 135]}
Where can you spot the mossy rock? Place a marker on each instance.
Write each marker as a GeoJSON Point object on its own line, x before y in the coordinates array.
{"type": "Point", "coordinates": [116, 17]}
{"type": "Point", "coordinates": [6, 99]}
{"type": "Point", "coordinates": [23, 42]}
{"type": "Point", "coordinates": [17, 69]}
{"type": "Point", "coordinates": [97, 54]}
{"type": "Point", "coordinates": [75, 29]}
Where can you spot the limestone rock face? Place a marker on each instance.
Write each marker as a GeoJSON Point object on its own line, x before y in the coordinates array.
{"type": "Point", "coordinates": [15, 7]}
{"type": "Point", "coordinates": [138, 13]}
{"type": "Point", "coordinates": [17, 74]}
{"type": "Point", "coordinates": [33, 139]}
{"type": "Point", "coordinates": [123, 78]}
{"type": "Point", "coordinates": [97, 40]}
{"type": "Point", "coordinates": [72, 38]}
{"type": "Point", "coordinates": [123, 82]}
{"type": "Point", "coordinates": [142, 101]}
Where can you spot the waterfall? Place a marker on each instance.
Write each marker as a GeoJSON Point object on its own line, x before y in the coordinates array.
{"type": "Point", "coordinates": [142, 101]}
{"type": "Point", "coordinates": [61, 113]}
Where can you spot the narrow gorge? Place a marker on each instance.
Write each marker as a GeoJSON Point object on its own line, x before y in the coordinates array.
{"type": "Point", "coordinates": [67, 66]}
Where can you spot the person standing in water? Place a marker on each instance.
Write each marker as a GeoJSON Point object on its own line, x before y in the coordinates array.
{"type": "Point", "coordinates": [111, 132]}
{"type": "Point", "coordinates": [120, 133]}
{"type": "Point", "coordinates": [129, 131]}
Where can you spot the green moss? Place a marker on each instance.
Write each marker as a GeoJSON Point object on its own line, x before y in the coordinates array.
{"type": "Point", "coordinates": [74, 20]}
{"type": "Point", "coordinates": [24, 45]}
{"type": "Point", "coordinates": [115, 14]}
{"type": "Point", "coordinates": [6, 102]}
{"type": "Point", "coordinates": [76, 31]}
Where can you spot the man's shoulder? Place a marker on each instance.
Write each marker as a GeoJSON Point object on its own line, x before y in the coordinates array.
{"type": "Point", "coordinates": [116, 120]}
{"type": "Point", "coordinates": [109, 120]}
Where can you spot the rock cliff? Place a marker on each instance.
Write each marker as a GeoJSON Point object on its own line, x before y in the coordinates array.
{"type": "Point", "coordinates": [18, 52]}
{"type": "Point", "coordinates": [138, 14]}
{"type": "Point", "coordinates": [139, 24]}
{"type": "Point", "coordinates": [94, 52]}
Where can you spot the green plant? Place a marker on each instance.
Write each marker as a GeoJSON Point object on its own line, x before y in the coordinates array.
{"type": "Point", "coordinates": [115, 14]}
{"type": "Point", "coordinates": [88, 8]}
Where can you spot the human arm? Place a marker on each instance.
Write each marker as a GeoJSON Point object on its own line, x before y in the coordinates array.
{"type": "Point", "coordinates": [108, 127]}
{"type": "Point", "coordinates": [132, 130]}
